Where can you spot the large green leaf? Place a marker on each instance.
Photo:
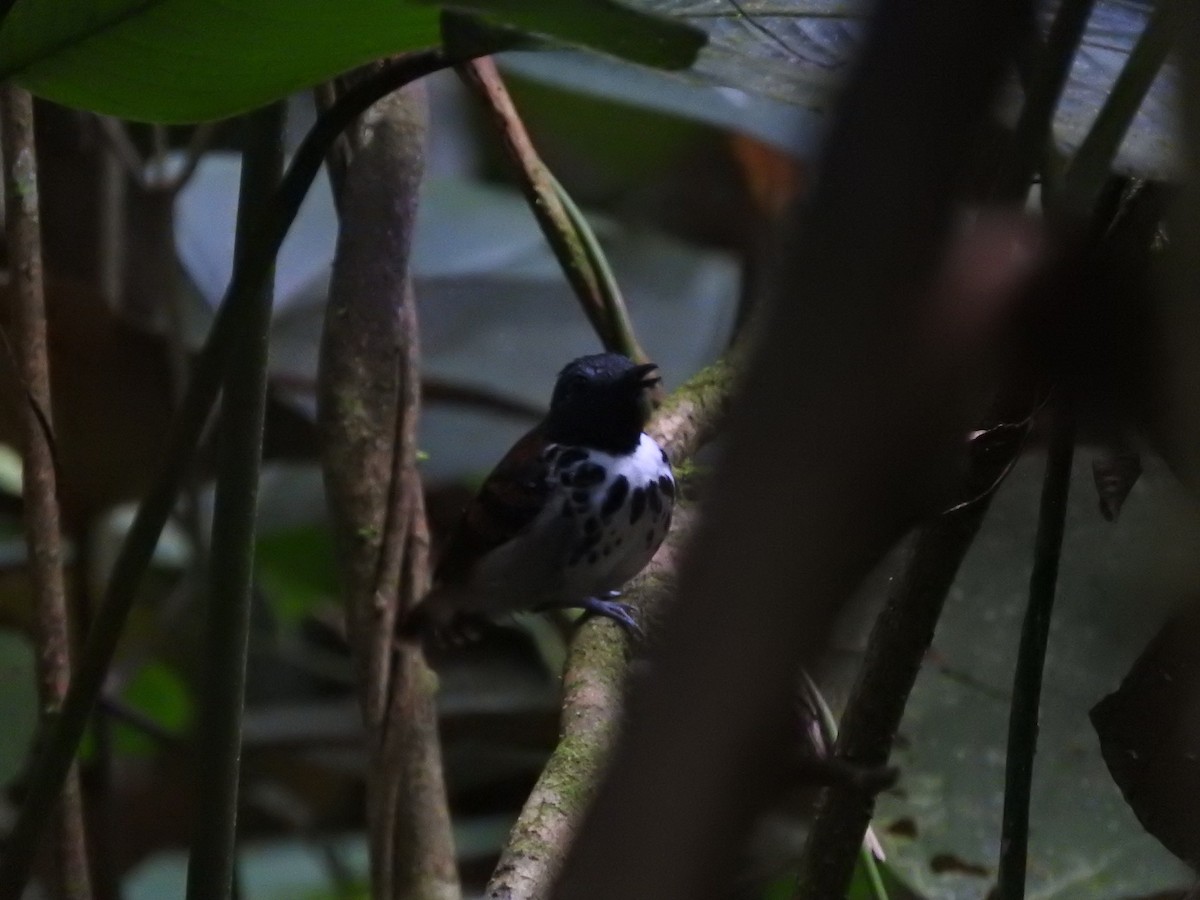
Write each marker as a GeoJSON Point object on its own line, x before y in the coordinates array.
{"type": "Point", "coordinates": [941, 825]}
{"type": "Point", "coordinates": [191, 60]}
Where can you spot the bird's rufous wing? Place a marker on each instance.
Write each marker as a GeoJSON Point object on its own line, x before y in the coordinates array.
{"type": "Point", "coordinates": [509, 500]}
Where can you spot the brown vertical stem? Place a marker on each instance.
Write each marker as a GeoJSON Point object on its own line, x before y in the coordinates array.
{"type": "Point", "coordinates": [368, 394]}
{"type": "Point", "coordinates": [69, 863]}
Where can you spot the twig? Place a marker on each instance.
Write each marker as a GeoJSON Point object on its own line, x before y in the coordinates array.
{"type": "Point", "coordinates": [595, 672]}
{"type": "Point", "coordinates": [561, 222]}
{"type": "Point", "coordinates": [50, 767]}
{"type": "Point", "coordinates": [868, 842]}
{"type": "Point", "coordinates": [231, 555]}
{"type": "Point", "coordinates": [69, 859]}
{"type": "Point", "coordinates": [1031, 657]}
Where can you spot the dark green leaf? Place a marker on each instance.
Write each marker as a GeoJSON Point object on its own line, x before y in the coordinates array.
{"type": "Point", "coordinates": [600, 25]}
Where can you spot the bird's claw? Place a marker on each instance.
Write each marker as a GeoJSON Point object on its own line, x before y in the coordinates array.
{"type": "Point", "coordinates": [611, 609]}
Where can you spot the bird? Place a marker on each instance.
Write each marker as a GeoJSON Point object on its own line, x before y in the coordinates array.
{"type": "Point", "coordinates": [574, 510]}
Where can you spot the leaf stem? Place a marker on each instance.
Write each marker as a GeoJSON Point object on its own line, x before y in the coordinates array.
{"type": "Point", "coordinates": [1031, 657]}
{"type": "Point", "coordinates": [231, 558]}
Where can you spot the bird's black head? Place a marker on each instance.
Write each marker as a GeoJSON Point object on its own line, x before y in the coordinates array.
{"type": "Point", "coordinates": [601, 402]}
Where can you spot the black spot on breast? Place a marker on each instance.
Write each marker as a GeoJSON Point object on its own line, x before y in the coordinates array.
{"type": "Point", "coordinates": [591, 524]}
{"type": "Point", "coordinates": [589, 542]}
{"type": "Point", "coordinates": [581, 497]}
{"type": "Point", "coordinates": [572, 456]}
{"type": "Point", "coordinates": [664, 455]}
{"type": "Point", "coordinates": [667, 485]}
{"type": "Point", "coordinates": [637, 505]}
{"type": "Point", "coordinates": [655, 500]}
{"type": "Point", "coordinates": [619, 541]}
{"type": "Point", "coordinates": [617, 492]}
{"type": "Point", "coordinates": [588, 474]}
{"type": "Point", "coordinates": [650, 538]}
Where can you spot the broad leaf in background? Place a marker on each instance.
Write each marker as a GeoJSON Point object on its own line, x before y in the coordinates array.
{"type": "Point", "coordinates": [940, 827]}
{"type": "Point", "coordinates": [1149, 733]}
{"type": "Point", "coordinates": [18, 704]}
{"type": "Point", "coordinates": [191, 60]}
{"type": "Point", "coordinates": [799, 52]}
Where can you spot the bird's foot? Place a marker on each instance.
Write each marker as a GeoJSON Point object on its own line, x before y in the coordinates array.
{"type": "Point", "coordinates": [620, 613]}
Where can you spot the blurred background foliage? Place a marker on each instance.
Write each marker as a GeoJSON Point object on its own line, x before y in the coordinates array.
{"type": "Point", "coordinates": [684, 175]}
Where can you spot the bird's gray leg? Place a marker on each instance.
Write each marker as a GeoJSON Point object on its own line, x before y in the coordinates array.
{"type": "Point", "coordinates": [611, 609]}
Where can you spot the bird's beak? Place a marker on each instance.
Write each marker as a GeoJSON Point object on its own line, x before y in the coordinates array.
{"type": "Point", "coordinates": [645, 375]}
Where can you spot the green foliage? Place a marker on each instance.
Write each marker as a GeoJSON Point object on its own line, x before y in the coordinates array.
{"type": "Point", "coordinates": [784, 887]}
{"type": "Point", "coordinates": [296, 569]}
{"type": "Point", "coordinates": [191, 60]}
{"type": "Point", "coordinates": [18, 703]}
{"type": "Point", "coordinates": [160, 694]}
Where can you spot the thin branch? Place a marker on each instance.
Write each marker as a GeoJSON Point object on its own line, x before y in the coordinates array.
{"type": "Point", "coordinates": [116, 136]}
{"type": "Point", "coordinates": [560, 223]}
{"type": "Point", "coordinates": [231, 555]}
{"type": "Point", "coordinates": [1035, 127]}
{"type": "Point", "coordinates": [1031, 657]}
{"type": "Point", "coordinates": [250, 274]}
{"type": "Point", "coordinates": [596, 669]}
{"type": "Point", "coordinates": [199, 141]}
{"type": "Point", "coordinates": [69, 858]}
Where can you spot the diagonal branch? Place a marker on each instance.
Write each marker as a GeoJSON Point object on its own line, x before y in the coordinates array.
{"type": "Point", "coordinates": [563, 224]}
